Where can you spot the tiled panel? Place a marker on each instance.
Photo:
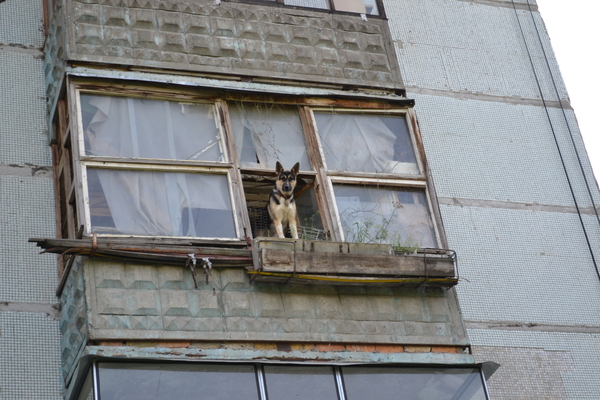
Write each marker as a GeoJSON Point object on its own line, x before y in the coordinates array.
{"type": "Point", "coordinates": [134, 301]}
{"type": "Point", "coordinates": [471, 47]}
{"type": "Point", "coordinates": [234, 38]}
{"type": "Point", "coordinates": [540, 365]}
{"type": "Point", "coordinates": [29, 357]}
{"type": "Point", "coordinates": [21, 24]}
{"type": "Point", "coordinates": [26, 211]}
{"type": "Point", "coordinates": [73, 323]}
{"type": "Point", "coordinates": [503, 152]}
{"type": "Point", "coordinates": [531, 267]}
{"type": "Point", "coordinates": [23, 132]}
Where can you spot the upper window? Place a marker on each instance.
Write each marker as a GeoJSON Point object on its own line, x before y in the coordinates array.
{"type": "Point", "coordinates": [137, 193]}
{"type": "Point", "coordinates": [367, 7]}
{"type": "Point", "coordinates": [151, 166]}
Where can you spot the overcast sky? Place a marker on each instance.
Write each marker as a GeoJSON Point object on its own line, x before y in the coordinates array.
{"type": "Point", "coordinates": [574, 29]}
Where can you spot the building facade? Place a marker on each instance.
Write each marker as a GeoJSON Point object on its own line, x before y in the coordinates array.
{"type": "Point", "coordinates": [444, 195]}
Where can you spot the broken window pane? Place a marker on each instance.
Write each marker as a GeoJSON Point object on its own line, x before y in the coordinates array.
{"type": "Point", "coordinates": [392, 383]}
{"type": "Point", "coordinates": [140, 128]}
{"type": "Point", "coordinates": [177, 382]}
{"type": "Point", "coordinates": [160, 203]}
{"type": "Point", "coordinates": [398, 217]}
{"type": "Point", "coordinates": [300, 383]}
{"type": "Point", "coordinates": [267, 133]}
{"type": "Point", "coordinates": [366, 143]}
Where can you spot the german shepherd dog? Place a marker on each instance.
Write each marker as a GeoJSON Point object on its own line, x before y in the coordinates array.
{"type": "Point", "coordinates": [281, 206]}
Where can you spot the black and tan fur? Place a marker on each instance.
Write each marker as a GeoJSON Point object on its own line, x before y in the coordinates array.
{"type": "Point", "coordinates": [281, 206]}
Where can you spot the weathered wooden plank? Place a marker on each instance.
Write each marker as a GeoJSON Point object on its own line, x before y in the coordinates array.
{"type": "Point", "coordinates": [275, 260]}
{"type": "Point", "coordinates": [61, 245]}
{"type": "Point", "coordinates": [141, 241]}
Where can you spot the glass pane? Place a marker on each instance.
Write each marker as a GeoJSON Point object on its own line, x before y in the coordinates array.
{"type": "Point", "coordinates": [177, 382]}
{"type": "Point", "coordinates": [366, 143]}
{"type": "Point", "coordinates": [267, 133]}
{"type": "Point", "coordinates": [139, 128]}
{"type": "Point", "coordinates": [385, 215]}
{"type": "Point", "coordinates": [86, 392]}
{"type": "Point", "coordinates": [389, 383]}
{"type": "Point", "coordinates": [160, 203]}
{"type": "Point", "coordinates": [371, 7]}
{"type": "Point", "coordinates": [300, 383]}
{"type": "Point", "coordinates": [324, 4]}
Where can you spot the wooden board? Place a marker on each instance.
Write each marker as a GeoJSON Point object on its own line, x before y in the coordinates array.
{"type": "Point", "coordinates": [277, 260]}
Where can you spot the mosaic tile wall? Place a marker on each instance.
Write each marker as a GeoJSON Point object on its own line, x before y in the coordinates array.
{"type": "Point", "coordinates": [540, 365]}
{"type": "Point", "coordinates": [29, 340]}
{"type": "Point", "coordinates": [468, 47]}
{"type": "Point", "coordinates": [29, 357]}
{"type": "Point", "coordinates": [21, 24]}
{"type": "Point", "coordinates": [505, 199]}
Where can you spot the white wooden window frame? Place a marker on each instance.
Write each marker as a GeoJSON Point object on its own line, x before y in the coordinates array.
{"type": "Point", "coordinates": [324, 177]}
{"type": "Point", "coordinates": [417, 181]}
{"type": "Point", "coordinates": [82, 162]}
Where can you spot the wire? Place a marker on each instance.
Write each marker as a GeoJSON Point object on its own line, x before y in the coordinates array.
{"type": "Point", "coordinates": [587, 185]}
{"type": "Point", "coordinates": [554, 132]}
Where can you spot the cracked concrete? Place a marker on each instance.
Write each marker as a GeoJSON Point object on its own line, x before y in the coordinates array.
{"type": "Point", "coordinates": [26, 170]}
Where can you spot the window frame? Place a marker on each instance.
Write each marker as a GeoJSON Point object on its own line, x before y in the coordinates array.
{"type": "Point", "coordinates": [330, 177]}
{"type": "Point", "coordinates": [92, 376]}
{"type": "Point", "coordinates": [75, 199]}
{"type": "Point", "coordinates": [331, 9]}
{"type": "Point", "coordinates": [81, 161]}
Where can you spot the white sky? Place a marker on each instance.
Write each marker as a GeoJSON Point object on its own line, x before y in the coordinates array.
{"type": "Point", "coordinates": [574, 29]}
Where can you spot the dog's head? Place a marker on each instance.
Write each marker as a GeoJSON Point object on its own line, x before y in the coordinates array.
{"type": "Point", "coordinates": [286, 179]}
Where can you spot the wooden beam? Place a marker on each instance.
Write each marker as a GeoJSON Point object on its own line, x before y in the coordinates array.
{"type": "Point", "coordinates": [282, 261]}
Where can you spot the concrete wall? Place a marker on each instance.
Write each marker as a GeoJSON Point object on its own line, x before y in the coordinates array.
{"type": "Point", "coordinates": [531, 293]}
{"type": "Point", "coordinates": [125, 302]}
{"type": "Point", "coordinates": [29, 334]}
{"type": "Point", "coordinates": [226, 38]}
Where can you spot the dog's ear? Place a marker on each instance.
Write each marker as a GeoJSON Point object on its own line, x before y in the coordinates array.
{"type": "Point", "coordinates": [296, 168]}
{"type": "Point", "coordinates": [278, 168]}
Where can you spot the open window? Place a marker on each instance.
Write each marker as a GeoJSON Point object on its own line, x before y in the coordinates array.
{"type": "Point", "coordinates": [156, 163]}
{"type": "Point", "coordinates": [265, 133]}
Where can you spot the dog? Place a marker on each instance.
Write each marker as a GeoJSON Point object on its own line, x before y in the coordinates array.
{"type": "Point", "coordinates": [281, 206]}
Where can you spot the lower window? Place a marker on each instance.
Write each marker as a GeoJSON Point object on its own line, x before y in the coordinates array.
{"type": "Point", "coordinates": [233, 381]}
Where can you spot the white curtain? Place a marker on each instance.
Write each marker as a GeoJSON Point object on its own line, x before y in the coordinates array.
{"type": "Point", "coordinates": [360, 143]}
{"type": "Point", "coordinates": [264, 134]}
{"type": "Point", "coordinates": [154, 203]}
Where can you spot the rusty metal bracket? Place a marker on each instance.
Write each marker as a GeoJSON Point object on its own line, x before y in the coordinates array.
{"type": "Point", "coordinates": [191, 264]}
{"type": "Point", "coordinates": [207, 265]}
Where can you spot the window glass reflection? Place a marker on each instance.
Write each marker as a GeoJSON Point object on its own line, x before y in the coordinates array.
{"type": "Point", "coordinates": [300, 383]}
{"type": "Point", "coordinates": [177, 382]}
{"type": "Point", "coordinates": [413, 383]}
